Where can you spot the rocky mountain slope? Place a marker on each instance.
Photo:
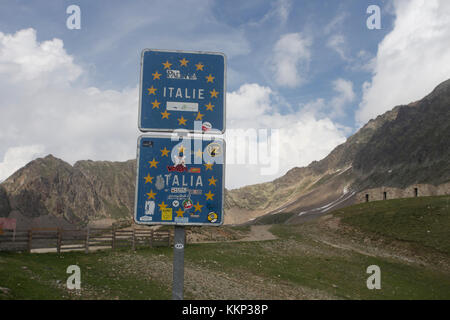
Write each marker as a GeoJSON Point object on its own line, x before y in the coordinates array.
{"type": "Point", "coordinates": [408, 144]}
{"type": "Point", "coordinates": [78, 194]}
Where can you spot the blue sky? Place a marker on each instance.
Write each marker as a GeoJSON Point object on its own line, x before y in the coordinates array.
{"type": "Point", "coordinates": [113, 33]}
{"type": "Point", "coordinates": [311, 68]}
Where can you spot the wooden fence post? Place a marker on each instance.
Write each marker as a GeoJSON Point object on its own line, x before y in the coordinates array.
{"type": "Point", "coordinates": [58, 241]}
{"type": "Point", "coordinates": [30, 238]}
{"type": "Point", "coordinates": [113, 244]}
{"type": "Point", "coordinates": [133, 243]}
{"type": "Point", "coordinates": [169, 240]}
{"type": "Point", "coordinates": [151, 238]}
{"type": "Point", "coordinates": [86, 248]}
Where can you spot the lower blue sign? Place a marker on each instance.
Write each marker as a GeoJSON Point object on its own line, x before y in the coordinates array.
{"type": "Point", "coordinates": [180, 180]}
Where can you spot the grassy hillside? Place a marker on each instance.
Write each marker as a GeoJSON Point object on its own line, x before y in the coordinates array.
{"type": "Point", "coordinates": [322, 259]}
{"type": "Point", "coordinates": [424, 221]}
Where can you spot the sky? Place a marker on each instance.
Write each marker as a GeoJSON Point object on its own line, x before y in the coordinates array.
{"type": "Point", "coordinates": [311, 73]}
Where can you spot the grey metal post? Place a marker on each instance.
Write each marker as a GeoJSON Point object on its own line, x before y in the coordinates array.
{"type": "Point", "coordinates": [178, 263]}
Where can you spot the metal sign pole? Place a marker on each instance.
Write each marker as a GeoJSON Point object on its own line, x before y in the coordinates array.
{"type": "Point", "coordinates": [178, 263]}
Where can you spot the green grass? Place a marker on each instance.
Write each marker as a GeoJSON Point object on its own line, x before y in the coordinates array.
{"type": "Point", "coordinates": [296, 259]}
{"type": "Point", "coordinates": [344, 277]}
{"type": "Point", "coordinates": [36, 276]}
{"type": "Point", "coordinates": [424, 221]}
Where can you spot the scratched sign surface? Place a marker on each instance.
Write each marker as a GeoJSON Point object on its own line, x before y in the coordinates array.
{"type": "Point", "coordinates": [182, 89]}
{"type": "Point", "coordinates": [180, 180]}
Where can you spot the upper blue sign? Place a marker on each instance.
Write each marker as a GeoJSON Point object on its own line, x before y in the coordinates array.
{"type": "Point", "coordinates": [182, 90]}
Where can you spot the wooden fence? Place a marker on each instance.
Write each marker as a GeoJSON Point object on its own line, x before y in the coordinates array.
{"type": "Point", "coordinates": [63, 240]}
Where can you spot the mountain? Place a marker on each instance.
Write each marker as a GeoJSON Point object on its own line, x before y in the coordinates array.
{"type": "Point", "coordinates": [86, 191]}
{"type": "Point", "coordinates": [406, 145]}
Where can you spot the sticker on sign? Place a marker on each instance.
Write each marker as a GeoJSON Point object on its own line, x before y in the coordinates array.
{"type": "Point", "coordinates": [182, 106]}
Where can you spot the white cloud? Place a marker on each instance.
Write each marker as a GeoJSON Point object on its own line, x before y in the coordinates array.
{"type": "Point", "coordinates": [411, 60]}
{"type": "Point", "coordinates": [336, 106]}
{"type": "Point", "coordinates": [279, 10]}
{"type": "Point", "coordinates": [291, 57]}
{"type": "Point", "coordinates": [303, 135]}
{"type": "Point", "coordinates": [345, 95]}
{"type": "Point", "coordinates": [17, 157]}
{"type": "Point", "coordinates": [43, 105]}
{"type": "Point", "coordinates": [338, 43]}
{"type": "Point", "coordinates": [249, 101]}
{"type": "Point", "coordinates": [23, 59]}
{"type": "Point", "coordinates": [282, 9]}
{"type": "Point", "coordinates": [336, 39]}
{"type": "Point", "coordinates": [335, 23]}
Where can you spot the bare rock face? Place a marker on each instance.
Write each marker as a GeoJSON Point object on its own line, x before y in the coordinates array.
{"type": "Point", "coordinates": [413, 148]}
{"type": "Point", "coordinates": [78, 194]}
{"type": "Point", "coordinates": [5, 208]}
{"type": "Point", "coordinates": [406, 145]}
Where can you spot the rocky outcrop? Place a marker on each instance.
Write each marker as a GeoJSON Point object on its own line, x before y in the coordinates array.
{"type": "Point", "coordinates": [5, 208]}
{"type": "Point", "coordinates": [404, 146]}
{"type": "Point", "coordinates": [89, 190]}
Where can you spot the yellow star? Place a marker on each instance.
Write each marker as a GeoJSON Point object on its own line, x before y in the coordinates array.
{"type": "Point", "coordinates": [151, 195]}
{"type": "Point", "coordinates": [167, 65]}
{"type": "Point", "coordinates": [153, 163]}
{"type": "Point", "coordinates": [209, 106]}
{"type": "Point", "coordinates": [212, 181]}
{"type": "Point", "coordinates": [165, 114]}
{"type": "Point", "coordinates": [182, 121]}
{"type": "Point", "coordinates": [148, 178]}
{"type": "Point", "coordinates": [152, 90]}
{"type": "Point", "coordinates": [198, 207]}
{"type": "Point", "coordinates": [210, 78]}
{"type": "Point", "coordinates": [209, 195]}
{"type": "Point", "coordinates": [184, 62]}
{"type": "Point", "coordinates": [155, 104]}
{"type": "Point", "coordinates": [214, 93]}
{"type": "Point", "coordinates": [156, 75]}
{"type": "Point", "coordinates": [208, 166]}
{"type": "Point", "coordinates": [199, 116]}
{"type": "Point", "coordinates": [179, 212]}
{"type": "Point", "coordinates": [199, 66]}
{"type": "Point", "coordinates": [164, 152]}
{"type": "Point", "coordinates": [199, 153]}
{"type": "Point", "coordinates": [162, 206]}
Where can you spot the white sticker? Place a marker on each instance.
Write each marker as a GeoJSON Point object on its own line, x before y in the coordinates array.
{"type": "Point", "coordinates": [149, 207]}
{"type": "Point", "coordinates": [182, 106]}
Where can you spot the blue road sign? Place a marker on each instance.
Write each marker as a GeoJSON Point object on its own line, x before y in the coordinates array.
{"type": "Point", "coordinates": [180, 180]}
{"type": "Point", "coordinates": [178, 88]}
